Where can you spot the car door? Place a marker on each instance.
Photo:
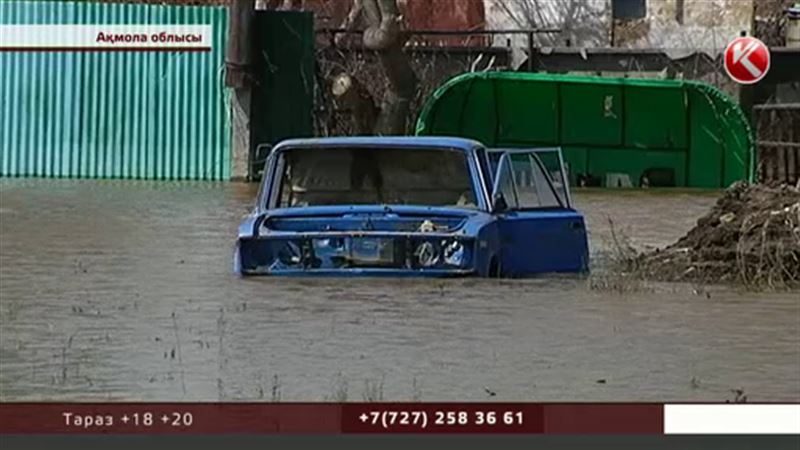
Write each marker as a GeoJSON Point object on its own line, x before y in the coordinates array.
{"type": "Point", "coordinates": [539, 230]}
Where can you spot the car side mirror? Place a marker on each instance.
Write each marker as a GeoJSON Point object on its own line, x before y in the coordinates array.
{"type": "Point", "coordinates": [499, 203]}
{"type": "Point", "coordinates": [259, 160]}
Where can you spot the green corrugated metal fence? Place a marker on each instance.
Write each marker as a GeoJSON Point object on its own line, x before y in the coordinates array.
{"type": "Point", "coordinates": [153, 115]}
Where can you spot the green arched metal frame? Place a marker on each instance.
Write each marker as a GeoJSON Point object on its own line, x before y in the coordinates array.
{"type": "Point", "coordinates": [604, 125]}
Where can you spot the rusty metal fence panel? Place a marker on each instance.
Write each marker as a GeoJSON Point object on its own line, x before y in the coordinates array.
{"type": "Point", "coordinates": [140, 115]}
{"type": "Point", "coordinates": [778, 134]}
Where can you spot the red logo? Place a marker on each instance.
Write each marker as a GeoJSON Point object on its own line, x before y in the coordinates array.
{"type": "Point", "coordinates": [746, 60]}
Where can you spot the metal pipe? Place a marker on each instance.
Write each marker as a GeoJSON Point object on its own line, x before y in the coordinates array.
{"type": "Point", "coordinates": [531, 31]}
{"type": "Point", "coordinates": [777, 106]}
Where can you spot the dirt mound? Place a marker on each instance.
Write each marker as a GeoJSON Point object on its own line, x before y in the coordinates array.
{"type": "Point", "coordinates": [751, 236]}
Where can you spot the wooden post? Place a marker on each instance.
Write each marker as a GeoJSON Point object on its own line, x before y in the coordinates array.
{"type": "Point", "coordinates": [238, 77]}
{"type": "Point", "coordinates": [237, 55]}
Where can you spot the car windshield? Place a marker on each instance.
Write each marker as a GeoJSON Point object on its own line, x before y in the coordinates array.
{"type": "Point", "coordinates": [390, 176]}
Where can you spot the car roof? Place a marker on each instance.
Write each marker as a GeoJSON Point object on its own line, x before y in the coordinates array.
{"type": "Point", "coordinates": [380, 141]}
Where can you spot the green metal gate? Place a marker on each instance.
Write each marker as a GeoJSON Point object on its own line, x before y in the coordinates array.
{"type": "Point", "coordinates": [153, 115]}
{"type": "Point", "coordinates": [283, 93]}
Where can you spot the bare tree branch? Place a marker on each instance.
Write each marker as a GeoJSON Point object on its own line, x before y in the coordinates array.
{"type": "Point", "coordinates": [372, 13]}
{"type": "Point", "coordinates": [352, 21]}
{"type": "Point", "coordinates": [289, 5]}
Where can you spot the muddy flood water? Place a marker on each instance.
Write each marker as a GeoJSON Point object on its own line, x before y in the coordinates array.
{"type": "Point", "coordinates": [113, 290]}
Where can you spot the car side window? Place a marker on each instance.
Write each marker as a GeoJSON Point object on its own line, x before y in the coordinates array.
{"type": "Point", "coordinates": [527, 189]}
{"type": "Point", "coordinates": [505, 182]}
{"type": "Point", "coordinates": [483, 161]}
{"type": "Point", "coordinates": [524, 183]}
{"type": "Point", "coordinates": [534, 190]}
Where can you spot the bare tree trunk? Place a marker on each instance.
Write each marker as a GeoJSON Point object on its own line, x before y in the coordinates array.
{"type": "Point", "coordinates": [350, 94]}
{"type": "Point", "coordinates": [383, 35]}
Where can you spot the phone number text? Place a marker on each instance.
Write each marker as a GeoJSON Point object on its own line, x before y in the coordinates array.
{"type": "Point", "coordinates": [388, 419]}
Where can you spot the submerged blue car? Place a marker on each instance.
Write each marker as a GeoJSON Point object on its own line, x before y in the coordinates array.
{"type": "Point", "coordinates": [419, 206]}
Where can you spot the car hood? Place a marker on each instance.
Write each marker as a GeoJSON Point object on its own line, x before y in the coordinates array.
{"type": "Point", "coordinates": [367, 218]}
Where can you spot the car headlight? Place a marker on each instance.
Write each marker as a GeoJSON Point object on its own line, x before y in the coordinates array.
{"type": "Point", "coordinates": [329, 244]}
{"type": "Point", "coordinates": [454, 253]}
{"type": "Point", "coordinates": [427, 254]}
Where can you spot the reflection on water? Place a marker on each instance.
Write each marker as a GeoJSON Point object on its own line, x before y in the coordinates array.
{"type": "Point", "coordinates": [123, 291]}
